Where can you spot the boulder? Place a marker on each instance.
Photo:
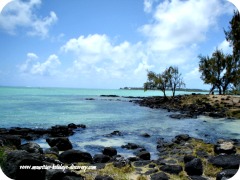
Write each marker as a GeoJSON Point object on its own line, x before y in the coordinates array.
{"type": "Point", "coordinates": [144, 155]}
{"type": "Point", "coordinates": [146, 135]}
{"type": "Point", "coordinates": [226, 161]}
{"type": "Point", "coordinates": [131, 146]}
{"type": "Point", "coordinates": [120, 162]}
{"type": "Point", "coordinates": [14, 159]}
{"type": "Point", "coordinates": [10, 140]}
{"type": "Point", "coordinates": [101, 158]}
{"type": "Point", "coordinates": [62, 143]}
{"type": "Point", "coordinates": [172, 169]}
{"type": "Point", "coordinates": [188, 158]}
{"type": "Point", "coordinates": [58, 174]}
{"type": "Point", "coordinates": [109, 151]}
{"type": "Point", "coordinates": [181, 138]}
{"type": "Point", "coordinates": [159, 176]}
{"type": "Point", "coordinates": [194, 167]}
{"type": "Point", "coordinates": [61, 131]}
{"type": "Point", "coordinates": [225, 147]}
{"type": "Point", "coordinates": [71, 156]}
{"type": "Point", "coordinates": [31, 147]}
{"type": "Point", "coordinates": [226, 174]}
{"type": "Point", "coordinates": [197, 178]}
{"type": "Point", "coordinates": [53, 150]}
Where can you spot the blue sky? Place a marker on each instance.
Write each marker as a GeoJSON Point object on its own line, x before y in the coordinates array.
{"type": "Point", "coordinates": [107, 43]}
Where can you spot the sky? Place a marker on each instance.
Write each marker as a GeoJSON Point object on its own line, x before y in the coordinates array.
{"type": "Point", "coordinates": [108, 43]}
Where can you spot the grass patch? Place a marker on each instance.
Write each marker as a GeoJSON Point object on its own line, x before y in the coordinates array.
{"type": "Point", "coordinates": [114, 172]}
{"type": "Point", "coordinates": [182, 176]}
{"type": "Point", "coordinates": [141, 177]}
{"type": "Point", "coordinates": [210, 170]}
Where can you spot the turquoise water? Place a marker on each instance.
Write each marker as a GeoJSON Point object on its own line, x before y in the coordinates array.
{"type": "Point", "coordinates": [44, 107]}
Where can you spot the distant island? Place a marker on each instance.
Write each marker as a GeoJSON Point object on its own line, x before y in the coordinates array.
{"type": "Point", "coordinates": [181, 89]}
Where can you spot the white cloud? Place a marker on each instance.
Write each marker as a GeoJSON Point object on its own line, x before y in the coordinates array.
{"type": "Point", "coordinates": [34, 67]}
{"type": "Point", "coordinates": [225, 47]}
{"type": "Point", "coordinates": [148, 5]}
{"type": "Point", "coordinates": [96, 54]}
{"type": "Point", "coordinates": [20, 14]}
{"type": "Point", "coordinates": [178, 24]}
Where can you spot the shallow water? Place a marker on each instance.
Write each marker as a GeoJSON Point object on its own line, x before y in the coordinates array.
{"type": "Point", "coordinates": [44, 107]}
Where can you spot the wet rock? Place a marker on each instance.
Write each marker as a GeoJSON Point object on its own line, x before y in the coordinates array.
{"type": "Point", "coordinates": [52, 150]}
{"type": "Point", "coordinates": [101, 158]}
{"type": "Point", "coordinates": [151, 171]}
{"type": "Point", "coordinates": [180, 116]}
{"type": "Point", "coordinates": [194, 167]}
{"type": "Point", "coordinates": [10, 140]}
{"type": "Point", "coordinates": [109, 151]}
{"type": "Point", "coordinates": [31, 147]}
{"type": "Point", "coordinates": [62, 143]}
{"type": "Point", "coordinates": [159, 176]}
{"type": "Point", "coordinates": [224, 146]}
{"type": "Point", "coordinates": [131, 146]}
{"type": "Point", "coordinates": [226, 161]}
{"type": "Point", "coordinates": [71, 156]}
{"type": "Point", "coordinates": [103, 177]}
{"type": "Point", "coordinates": [20, 157]}
{"type": "Point", "coordinates": [172, 169]}
{"type": "Point", "coordinates": [61, 131]}
{"type": "Point", "coordinates": [217, 114]}
{"type": "Point", "coordinates": [226, 174]}
{"type": "Point", "coordinates": [181, 138]}
{"type": "Point", "coordinates": [141, 163]}
{"type": "Point", "coordinates": [144, 155]}
{"type": "Point", "coordinates": [146, 135]}
{"type": "Point", "coordinates": [109, 96]}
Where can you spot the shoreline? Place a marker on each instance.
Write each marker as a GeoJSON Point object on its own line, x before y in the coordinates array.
{"type": "Point", "coordinates": [176, 159]}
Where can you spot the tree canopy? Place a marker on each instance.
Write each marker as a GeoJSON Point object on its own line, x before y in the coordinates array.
{"type": "Point", "coordinates": [170, 79]}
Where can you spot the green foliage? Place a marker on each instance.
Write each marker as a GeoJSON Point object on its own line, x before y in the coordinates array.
{"type": "Point", "coordinates": [169, 79]}
{"type": "Point", "coordinates": [219, 70]}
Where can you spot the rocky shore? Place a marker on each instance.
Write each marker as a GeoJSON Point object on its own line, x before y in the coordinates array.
{"type": "Point", "coordinates": [191, 106]}
{"type": "Point", "coordinates": [183, 158]}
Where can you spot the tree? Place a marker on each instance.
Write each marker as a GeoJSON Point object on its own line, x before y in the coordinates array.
{"type": "Point", "coordinates": [233, 37]}
{"type": "Point", "coordinates": [175, 79]}
{"type": "Point", "coordinates": [219, 70]}
{"type": "Point", "coordinates": [168, 79]}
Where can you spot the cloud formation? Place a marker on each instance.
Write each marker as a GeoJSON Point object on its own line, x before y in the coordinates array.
{"type": "Point", "coordinates": [21, 14]}
{"type": "Point", "coordinates": [34, 67]}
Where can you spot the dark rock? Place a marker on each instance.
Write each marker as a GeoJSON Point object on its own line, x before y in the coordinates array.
{"type": "Point", "coordinates": [202, 154]}
{"type": "Point", "coordinates": [10, 140]}
{"type": "Point", "coordinates": [151, 171]}
{"type": "Point", "coordinates": [109, 151]}
{"type": "Point", "coordinates": [28, 174]}
{"type": "Point", "coordinates": [225, 147]}
{"type": "Point", "coordinates": [101, 158]}
{"type": "Point", "coordinates": [146, 135]}
{"type": "Point", "coordinates": [226, 174]}
{"type": "Point", "coordinates": [133, 159]}
{"type": "Point", "coordinates": [194, 167]}
{"type": "Point", "coordinates": [31, 147]}
{"type": "Point", "coordinates": [55, 174]}
{"type": "Point", "coordinates": [188, 158]}
{"type": "Point", "coordinates": [180, 116]}
{"type": "Point", "coordinates": [90, 99]}
{"type": "Point", "coordinates": [20, 157]}
{"type": "Point", "coordinates": [109, 96]}
{"type": "Point", "coordinates": [181, 138]}
{"type": "Point", "coordinates": [71, 156]}
{"type": "Point", "coordinates": [20, 131]}
{"type": "Point", "coordinates": [121, 162]}
{"type": "Point", "coordinates": [53, 150]}
{"type": "Point", "coordinates": [141, 163]}
{"type": "Point", "coordinates": [172, 169]}
{"type": "Point", "coordinates": [72, 126]}
{"type": "Point", "coordinates": [144, 155]}
{"type": "Point", "coordinates": [159, 176]}
{"type": "Point", "coordinates": [61, 131]}
{"type": "Point", "coordinates": [226, 161]}
{"type": "Point", "coordinates": [62, 143]}
{"type": "Point", "coordinates": [131, 146]}
{"type": "Point", "coordinates": [198, 178]}
{"type": "Point", "coordinates": [83, 126]}
{"type": "Point", "coordinates": [103, 177]}
{"type": "Point", "coordinates": [217, 114]}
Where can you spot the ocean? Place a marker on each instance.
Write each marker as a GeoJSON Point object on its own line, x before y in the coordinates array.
{"type": "Point", "coordinates": [45, 107]}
